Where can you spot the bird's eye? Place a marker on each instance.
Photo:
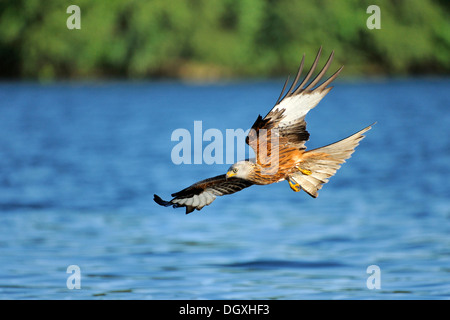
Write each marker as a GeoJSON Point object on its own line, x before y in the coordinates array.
{"type": "Point", "coordinates": [234, 170]}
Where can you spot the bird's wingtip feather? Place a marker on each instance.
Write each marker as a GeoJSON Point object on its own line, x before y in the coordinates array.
{"type": "Point", "coordinates": [160, 201]}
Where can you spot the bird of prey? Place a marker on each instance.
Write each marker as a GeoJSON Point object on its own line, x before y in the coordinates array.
{"type": "Point", "coordinates": [281, 134]}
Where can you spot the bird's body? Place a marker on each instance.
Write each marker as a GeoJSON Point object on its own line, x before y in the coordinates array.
{"type": "Point", "coordinates": [278, 142]}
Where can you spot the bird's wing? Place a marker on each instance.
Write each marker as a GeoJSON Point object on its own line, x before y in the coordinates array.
{"type": "Point", "coordinates": [204, 192]}
{"type": "Point", "coordinates": [287, 117]}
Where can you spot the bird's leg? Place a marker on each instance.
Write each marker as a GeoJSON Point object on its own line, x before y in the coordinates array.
{"type": "Point", "coordinates": [304, 171]}
{"type": "Point", "coordinates": [294, 185]}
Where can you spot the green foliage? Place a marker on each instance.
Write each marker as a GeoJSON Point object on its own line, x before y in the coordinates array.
{"type": "Point", "coordinates": [212, 38]}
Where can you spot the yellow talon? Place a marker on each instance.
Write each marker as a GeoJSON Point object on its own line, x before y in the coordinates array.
{"type": "Point", "coordinates": [294, 186]}
{"type": "Point", "coordinates": [305, 171]}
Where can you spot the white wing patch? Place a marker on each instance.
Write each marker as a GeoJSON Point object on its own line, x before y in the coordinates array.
{"type": "Point", "coordinates": [204, 192]}
{"type": "Point", "coordinates": [198, 201]}
{"type": "Point", "coordinates": [301, 98]}
{"type": "Point", "coordinates": [296, 107]}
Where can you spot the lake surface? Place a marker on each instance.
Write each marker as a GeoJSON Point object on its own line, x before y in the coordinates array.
{"type": "Point", "coordinates": [80, 162]}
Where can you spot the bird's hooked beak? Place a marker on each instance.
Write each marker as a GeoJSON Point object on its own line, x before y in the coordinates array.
{"type": "Point", "coordinates": [230, 174]}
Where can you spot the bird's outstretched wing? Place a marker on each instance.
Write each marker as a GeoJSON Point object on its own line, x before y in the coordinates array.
{"type": "Point", "coordinates": [288, 114]}
{"type": "Point", "coordinates": [204, 192]}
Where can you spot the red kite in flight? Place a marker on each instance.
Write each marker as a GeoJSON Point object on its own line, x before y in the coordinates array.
{"type": "Point", "coordinates": [281, 135]}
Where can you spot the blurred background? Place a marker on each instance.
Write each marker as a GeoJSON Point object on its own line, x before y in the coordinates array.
{"type": "Point", "coordinates": [202, 39]}
{"type": "Point", "coordinates": [86, 118]}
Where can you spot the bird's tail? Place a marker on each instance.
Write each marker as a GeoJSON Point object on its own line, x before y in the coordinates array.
{"type": "Point", "coordinates": [322, 163]}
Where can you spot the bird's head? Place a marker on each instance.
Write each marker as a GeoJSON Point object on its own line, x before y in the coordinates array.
{"type": "Point", "coordinates": [241, 169]}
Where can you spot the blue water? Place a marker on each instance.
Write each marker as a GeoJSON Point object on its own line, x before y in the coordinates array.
{"type": "Point", "coordinates": [80, 162]}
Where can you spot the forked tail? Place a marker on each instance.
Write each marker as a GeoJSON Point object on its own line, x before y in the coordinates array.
{"type": "Point", "coordinates": [322, 163]}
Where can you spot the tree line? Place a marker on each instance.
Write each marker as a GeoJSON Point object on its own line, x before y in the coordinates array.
{"type": "Point", "coordinates": [202, 39]}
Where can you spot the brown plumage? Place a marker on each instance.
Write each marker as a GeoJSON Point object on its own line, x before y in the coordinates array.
{"type": "Point", "coordinates": [278, 141]}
